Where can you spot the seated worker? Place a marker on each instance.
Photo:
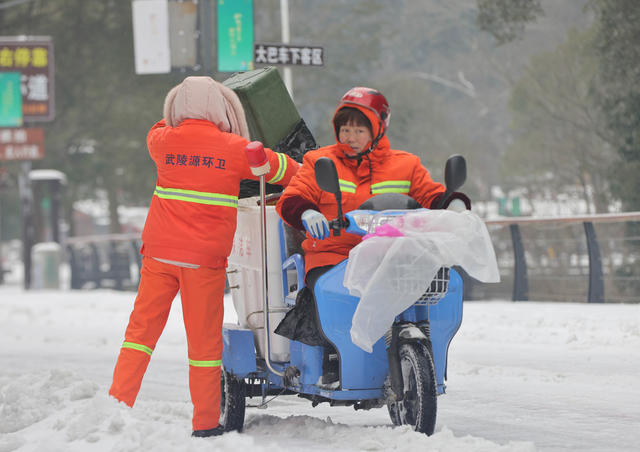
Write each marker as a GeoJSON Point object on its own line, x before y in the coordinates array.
{"type": "Point", "coordinates": [366, 166]}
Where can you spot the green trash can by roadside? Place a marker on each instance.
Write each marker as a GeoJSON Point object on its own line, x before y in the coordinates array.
{"type": "Point", "coordinates": [45, 269]}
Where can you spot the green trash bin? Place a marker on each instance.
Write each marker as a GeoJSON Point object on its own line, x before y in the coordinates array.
{"type": "Point", "coordinates": [271, 114]}
{"type": "Point", "coordinates": [272, 118]}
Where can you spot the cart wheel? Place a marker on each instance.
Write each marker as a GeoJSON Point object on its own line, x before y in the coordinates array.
{"type": "Point", "coordinates": [232, 402]}
{"type": "Point", "coordinates": [418, 407]}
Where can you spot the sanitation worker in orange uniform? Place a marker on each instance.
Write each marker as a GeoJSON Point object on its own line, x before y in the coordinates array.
{"type": "Point", "coordinates": [199, 152]}
{"type": "Point", "coordinates": [366, 166]}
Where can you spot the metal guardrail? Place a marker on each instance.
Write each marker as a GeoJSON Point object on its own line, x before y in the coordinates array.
{"type": "Point", "coordinates": [594, 258]}
{"type": "Point", "coordinates": [104, 261]}
{"type": "Point", "coordinates": [616, 268]}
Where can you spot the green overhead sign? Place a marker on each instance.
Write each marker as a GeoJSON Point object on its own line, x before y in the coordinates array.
{"type": "Point", "coordinates": [235, 35]}
{"type": "Point", "coordinates": [10, 100]}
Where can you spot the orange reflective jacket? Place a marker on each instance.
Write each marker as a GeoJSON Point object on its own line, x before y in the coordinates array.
{"type": "Point", "coordinates": [384, 170]}
{"type": "Point", "coordinates": [192, 217]}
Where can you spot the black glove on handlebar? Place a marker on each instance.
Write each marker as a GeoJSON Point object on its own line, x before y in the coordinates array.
{"type": "Point", "coordinates": [455, 195]}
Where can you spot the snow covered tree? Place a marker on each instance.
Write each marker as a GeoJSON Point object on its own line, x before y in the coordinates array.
{"type": "Point", "coordinates": [618, 45]}
{"type": "Point", "coordinates": [506, 19]}
{"type": "Point", "coordinates": [103, 109]}
{"type": "Point", "coordinates": [561, 140]}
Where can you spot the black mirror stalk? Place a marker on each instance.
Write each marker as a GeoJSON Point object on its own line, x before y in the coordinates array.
{"type": "Point", "coordinates": [327, 180]}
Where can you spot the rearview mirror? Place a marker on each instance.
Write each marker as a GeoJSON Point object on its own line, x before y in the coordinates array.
{"type": "Point", "coordinates": [455, 173]}
{"type": "Point", "coordinates": [327, 175]}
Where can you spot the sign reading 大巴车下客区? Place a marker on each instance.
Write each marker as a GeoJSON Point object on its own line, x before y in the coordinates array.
{"type": "Point", "coordinates": [288, 55]}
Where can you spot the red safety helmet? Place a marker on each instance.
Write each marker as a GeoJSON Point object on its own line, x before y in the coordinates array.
{"type": "Point", "coordinates": [372, 100]}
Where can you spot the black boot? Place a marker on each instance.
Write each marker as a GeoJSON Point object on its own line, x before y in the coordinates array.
{"type": "Point", "coordinates": [216, 431]}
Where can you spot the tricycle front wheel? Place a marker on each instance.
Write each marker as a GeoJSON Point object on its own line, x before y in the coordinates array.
{"type": "Point", "coordinates": [232, 402]}
{"type": "Point", "coordinates": [419, 406]}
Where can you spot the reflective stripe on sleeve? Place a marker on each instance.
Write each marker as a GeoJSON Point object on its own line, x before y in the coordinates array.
{"type": "Point", "coordinates": [199, 197]}
{"type": "Point", "coordinates": [282, 167]}
{"type": "Point", "coordinates": [391, 186]}
{"type": "Point", "coordinates": [140, 347]}
{"type": "Point", "coordinates": [346, 186]}
{"type": "Point", "coordinates": [215, 363]}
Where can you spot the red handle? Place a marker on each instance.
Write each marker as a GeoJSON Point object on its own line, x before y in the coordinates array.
{"type": "Point", "coordinates": [255, 154]}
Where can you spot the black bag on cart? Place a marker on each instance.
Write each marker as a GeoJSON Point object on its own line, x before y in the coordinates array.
{"type": "Point", "coordinates": [301, 323]}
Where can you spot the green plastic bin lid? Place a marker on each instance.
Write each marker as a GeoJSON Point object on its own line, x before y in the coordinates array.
{"type": "Point", "coordinates": [270, 111]}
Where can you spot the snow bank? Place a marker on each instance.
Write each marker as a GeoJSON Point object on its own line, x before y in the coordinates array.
{"type": "Point", "coordinates": [57, 410]}
{"type": "Point", "coordinates": [522, 377]}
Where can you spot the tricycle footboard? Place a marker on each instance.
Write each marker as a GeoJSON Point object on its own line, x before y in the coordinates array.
{"type": "Point", "coordinates": [358, 369]}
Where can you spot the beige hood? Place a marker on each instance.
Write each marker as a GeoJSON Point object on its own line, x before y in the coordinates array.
{"type": "Point", "coordinates": [204, 98]}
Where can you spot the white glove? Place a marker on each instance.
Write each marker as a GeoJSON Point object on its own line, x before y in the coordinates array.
{"type": "Point", "coordinates": [316, 224]}
{"type": "Point", "coordinates": [457, 205]}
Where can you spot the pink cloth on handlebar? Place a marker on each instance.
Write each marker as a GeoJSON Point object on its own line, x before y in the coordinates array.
{"type": "Point", "coordinates": [385, 230]}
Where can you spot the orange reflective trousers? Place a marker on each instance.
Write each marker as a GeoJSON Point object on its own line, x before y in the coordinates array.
{"type": "Point", "coordinates": [202, 293]}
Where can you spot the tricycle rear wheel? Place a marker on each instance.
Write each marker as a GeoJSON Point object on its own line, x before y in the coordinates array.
{"type": "Point", "coordinates": [232, 402]}
{"type": "Point", "coordinates": [419, 406]}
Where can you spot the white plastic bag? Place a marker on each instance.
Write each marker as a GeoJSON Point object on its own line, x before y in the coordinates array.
{"type": "Point", "coordinates": [390, 273]}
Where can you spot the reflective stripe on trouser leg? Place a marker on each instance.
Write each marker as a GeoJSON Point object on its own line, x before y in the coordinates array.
{"type": "Point", "coordinates": [202, 293]}
{"type": "Point", "coordinates": [158, 288]}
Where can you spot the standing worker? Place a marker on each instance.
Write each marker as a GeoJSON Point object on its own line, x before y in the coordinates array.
{"type": "Point", "coordinates": [199, 152]}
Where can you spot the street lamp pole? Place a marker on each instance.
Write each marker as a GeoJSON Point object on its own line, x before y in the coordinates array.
{"type": "Point", "coordinates": [284, 21]}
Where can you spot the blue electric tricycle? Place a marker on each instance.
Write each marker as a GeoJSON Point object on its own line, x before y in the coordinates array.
{"type": "Point", "coordinates": [407, 367]}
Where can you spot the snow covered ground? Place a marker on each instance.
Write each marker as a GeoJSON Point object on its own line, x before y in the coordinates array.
{"type": "Point", "coordinates": [522, 377]}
